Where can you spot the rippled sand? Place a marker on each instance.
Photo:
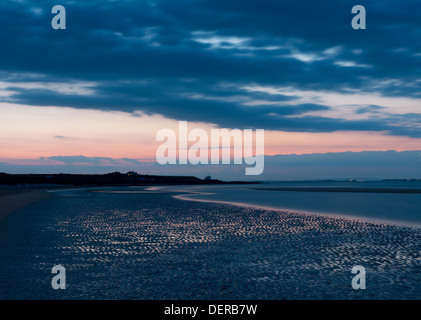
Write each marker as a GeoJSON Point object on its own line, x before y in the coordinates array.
{"type": "Point", "coordinates": [151, 246]}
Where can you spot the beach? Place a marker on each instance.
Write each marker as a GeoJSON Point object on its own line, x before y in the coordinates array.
{"type": "Point", "coordinates": [12, 199]}
{"type": "Point", "coordinates": [138, 244]}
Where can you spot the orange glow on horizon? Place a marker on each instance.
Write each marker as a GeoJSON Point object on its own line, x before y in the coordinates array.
{"type": "Point", "coordinates": [33, 132]}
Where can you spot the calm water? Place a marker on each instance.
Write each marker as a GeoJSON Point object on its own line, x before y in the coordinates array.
{"type": "Point", "coordinates": [396, 208]}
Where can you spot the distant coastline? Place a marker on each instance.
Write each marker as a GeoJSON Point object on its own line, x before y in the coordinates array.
{"type": "Point", "coordinates": [19, 190]}
{"type": "Point", "coordinates": [110, 179]}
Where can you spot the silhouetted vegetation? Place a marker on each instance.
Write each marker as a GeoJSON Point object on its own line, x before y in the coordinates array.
{"type": "Point", "coordinates": [110, 179]}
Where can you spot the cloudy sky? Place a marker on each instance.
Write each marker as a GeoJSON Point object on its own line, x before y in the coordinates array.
{"type": "Point", "coordinates": [334, 102]}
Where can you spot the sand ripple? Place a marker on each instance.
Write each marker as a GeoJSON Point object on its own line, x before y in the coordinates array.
{"type": "Point", "coordinates": [151, 246]}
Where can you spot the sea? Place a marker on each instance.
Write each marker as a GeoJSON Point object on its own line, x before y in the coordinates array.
{"type": "Point", "coordinates": [394, 201]}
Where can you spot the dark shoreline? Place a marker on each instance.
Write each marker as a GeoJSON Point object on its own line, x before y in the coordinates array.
{"type": "Point", "coordinates": [111, 179]}
{"type": "Point", "coordinates": [15, 199]}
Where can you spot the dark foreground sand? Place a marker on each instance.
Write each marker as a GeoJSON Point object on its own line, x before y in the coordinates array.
{"type": "Point", "coordinates": [12, 199]}
{"type": "Point", "coordinates": [152, 246]}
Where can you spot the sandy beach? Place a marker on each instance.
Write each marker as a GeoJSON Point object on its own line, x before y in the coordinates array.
{"type": "Point", "coordinates": [152, 246]}
{"type": "Point", "coordinates": [12, 199]}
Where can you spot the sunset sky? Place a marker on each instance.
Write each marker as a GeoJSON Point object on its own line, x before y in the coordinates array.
{"type": "Point", "coordinates": [91, 98]}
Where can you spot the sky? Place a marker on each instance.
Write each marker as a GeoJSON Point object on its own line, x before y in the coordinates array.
{"type": "Point", "coordinates": [334, 102]}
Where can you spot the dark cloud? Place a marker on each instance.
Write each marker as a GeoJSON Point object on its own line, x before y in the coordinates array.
{"type": "Point", "coordinates": [189, 59]}
{"type": "Point", "coordinates": [355, 159]}
{"type": "Point", "coordinates": [341, 165]}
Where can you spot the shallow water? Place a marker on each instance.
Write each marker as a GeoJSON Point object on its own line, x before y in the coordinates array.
{"type": "Point", "coordinates": [151, 246]}
{"type": "Point", "coordinates": [394, 208]}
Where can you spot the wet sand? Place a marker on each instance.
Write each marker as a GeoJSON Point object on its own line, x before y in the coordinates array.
{"type": "Point", "coordinates": [152, 246]}
{"type": "Point", "coordinates": [12, 199]}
